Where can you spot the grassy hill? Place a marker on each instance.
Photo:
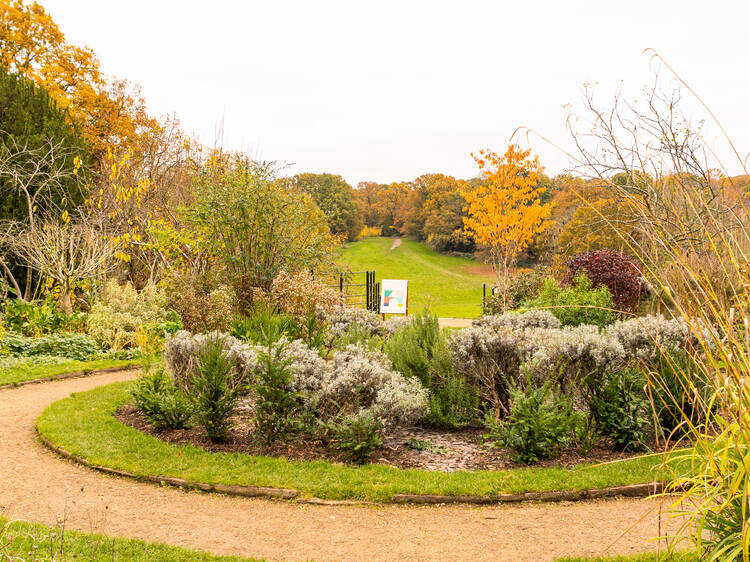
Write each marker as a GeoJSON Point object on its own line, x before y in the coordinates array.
{"type": "Point", "coordinates": [450, 286]}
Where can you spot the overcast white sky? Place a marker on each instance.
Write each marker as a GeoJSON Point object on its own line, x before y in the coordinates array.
{"type": "Point", "coordinates": [388, 90]}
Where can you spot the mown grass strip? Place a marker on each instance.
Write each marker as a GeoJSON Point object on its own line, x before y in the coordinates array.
{"type": "Point", "coordinates": [83, 425]}
{"type": "Point", "coordinates": [20, 540]}
{"type": "Point", "coordinates": [645, 557]}
{"type": "Point", "coordinates": [14, 375]}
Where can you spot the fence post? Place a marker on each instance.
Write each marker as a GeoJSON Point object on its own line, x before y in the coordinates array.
{"type": "Point", "coordinates": [367, 291]}
{"type": "Point", "coordinates": [484, 297]}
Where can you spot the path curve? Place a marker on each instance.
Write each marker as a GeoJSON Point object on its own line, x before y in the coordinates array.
{"type": "Point", "coordinates": [396, 243]}
{"type": "Point", "coordinates": [36, 485]}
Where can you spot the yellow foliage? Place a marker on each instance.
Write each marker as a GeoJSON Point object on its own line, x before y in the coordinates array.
{"type": "Point", "coordinates": [505, 212]}
{"type": "Point", "coordinates": [110, 112]}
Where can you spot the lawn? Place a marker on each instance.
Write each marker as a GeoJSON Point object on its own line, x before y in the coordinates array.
{"type": "Point", "coordinates": [19, 540]}
{"type": "Point", "coordinates": [15, 370]}
{"type": "Point", "coordinates": [645, 557]}
{"type": "Point", "coordinates": [83, 424]}
{"type": "Point", "coordinates": [450, 286]}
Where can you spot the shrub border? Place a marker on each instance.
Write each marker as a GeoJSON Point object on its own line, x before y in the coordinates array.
{"type": "Point", "coordinates": [73, 375]}
{"type": "Point", "coordinates": [632, 490]}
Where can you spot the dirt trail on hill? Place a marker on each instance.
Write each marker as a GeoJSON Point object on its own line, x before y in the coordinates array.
{"type": "Point", "coordinates": [37, 485]}
{"type": "Point", "coordinates": [396, 243]}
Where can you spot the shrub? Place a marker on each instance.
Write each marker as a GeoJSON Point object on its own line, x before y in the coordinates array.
{"type": "Point", "coordinates": [396, 323]}
{"type": "Point", "coordinates": [37, 318]}
{"type": "Point", "coordinates": [647, 338]}
{"type": "Point", "coordinates": [115, 321]}
{"type": "Point", "coordinates": [519, 320]}
{"type": "Point", "coordinates": [354, 438]}
{"type": "Point", "coordinates": [182, 354]}
{"type": "Point", "coordinates": [357, 334]}
{"type": "Point", "coordinates": [161, 402]}
{"type": "Point", "coordinates": [301, 295]}
{"type": "Point", "coordinates": [341, 320]}
{"type": "Point", "coordinates": [419, 350]}
{"type": "Point", "coordinates": [213, 396]}
{"type": "Point", "coordinates": [490, 360]}
{"type": "Point", "coordinates": [619, 407]}
{"type": "Point", "coordinates": [71, 346]}
{"type": "Point", "coordinates": [618, 271]}
{"type": "Point", "coordinates": [254, 326]}
{"type": "Point", "coordinates": [361, 381]}
{"type": "Point", "coordinates": [522, 287]}
{"type": "Point", "coordinates": [577, 304]}
{"type": "Point", "coordinates": [540, 422]}
{"type": "Point", "coordinates": [681, 391]}
{"type": "Point", "coordinates": [570, 354]}
{"type": "Point", "coordinates": [279, 410]}
{"type": "Point", "coordinates": [203, 303]}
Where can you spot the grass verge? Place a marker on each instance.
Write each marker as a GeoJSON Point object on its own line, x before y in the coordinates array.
{"type": "Point", "coordinates": [645, 557]}
{"type": "Point", "coordinates": [20, 540]}
{"type": "Point", "coordinates": [84, 425]}
{"type": "Point", "coordinates": [450, 286]}
{"type": "Point", "coordinates": [22, 373]}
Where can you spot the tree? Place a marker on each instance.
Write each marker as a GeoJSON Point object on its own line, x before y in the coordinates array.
{"type": "Point", "coordinates": [366, 195]}
{"type": "Point", "coordinates": [112, 112]}
{"type": "Point", "coordinates": [42, 163]}
{"type": "Point", "coordinates": [37, 178]}
{"type": "Point", "coordinates": [66, 253]}
{"type": "Point", "coordinates": [254, 225]}
{"type": "Point", "coordinates": [336, 199]}
{"type": "Point", "coordinates": [506, 213]}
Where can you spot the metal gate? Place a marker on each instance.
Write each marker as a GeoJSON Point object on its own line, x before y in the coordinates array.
{"type": "Point", "coordinates": [357, 289]}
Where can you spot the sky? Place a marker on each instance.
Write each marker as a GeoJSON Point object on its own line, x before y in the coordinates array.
{"type": "Point", "coordinates": [386, 91]}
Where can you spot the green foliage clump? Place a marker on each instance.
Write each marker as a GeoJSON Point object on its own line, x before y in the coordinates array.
{"type": "Point", "coordinates": [35, 319]}
{"type": "Point", "coordinates": [161, 402]}
{"type": "Point", "coordinates": [254, 226]}
{"type": "Point", "coordinates": [353, 438]}
{"type": "Point", "coordinates": [541, 421]}
{"type": "Point", "coordinates": [419, 350]}
{"type": "Point", "coordinates": [577, 304]}
{"type": "Point", "coordinates": [336, 199]}
{"type": "Point", "coordinates": [522, 287]}
{"type": "Point", "coordinates": [261, 321]}
{"type": "Point", "coordinates": [71, 346]}
{"type": "Point", "coordinates": [681, 391]}
{"type": "Point", "coordinates": [212, 392]}
{"type": "Point", "coordinates": [280, 411]}
{"type": "Point", "coordinates": [115, 321]}
{"type": "Point", "coordinates": [618, 405]}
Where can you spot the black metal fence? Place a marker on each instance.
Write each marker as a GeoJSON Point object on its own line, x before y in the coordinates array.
{"type": "Point", "coordinates": [358, 289]}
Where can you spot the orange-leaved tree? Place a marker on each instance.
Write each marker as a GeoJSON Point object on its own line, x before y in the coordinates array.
{"type": "Point", "coordinates": [505, 211]}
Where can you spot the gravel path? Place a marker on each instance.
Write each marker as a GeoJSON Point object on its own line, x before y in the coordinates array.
{"type": "Point", "coordinates": [37, 485]}
{"type": "Point", "coordinates": [396, 243]}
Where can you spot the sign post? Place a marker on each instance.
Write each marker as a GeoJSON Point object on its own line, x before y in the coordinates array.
{"type": "Point", "coordinates": [394, 296]}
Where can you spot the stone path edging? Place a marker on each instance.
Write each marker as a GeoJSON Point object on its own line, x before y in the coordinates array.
{"type": "Point", "coordinates": [73, 375]}
{"type": "Point", "coordinates": [630, 491]}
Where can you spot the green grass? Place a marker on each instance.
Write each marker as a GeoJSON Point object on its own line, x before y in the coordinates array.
{"type": "Point", "coordinates": [83, 424]}
{"type": "Point", "coordinates": [26, 371]}
{"type": "Point", "coordinates": [26, 541]}
{"type": "Point", "coordinates": [447, 284]}
{"type": "Point", "coordinates": [645, 557]}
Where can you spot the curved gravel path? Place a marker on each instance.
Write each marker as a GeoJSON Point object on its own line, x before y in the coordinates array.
{"type": "Point", "coordinates": [37, 485]}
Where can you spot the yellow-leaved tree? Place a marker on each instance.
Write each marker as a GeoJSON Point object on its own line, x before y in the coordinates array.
{"type": "Point", "coordinates": [505, 212]}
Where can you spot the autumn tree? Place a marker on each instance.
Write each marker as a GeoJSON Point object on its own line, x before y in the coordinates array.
{"type": "Point", "coordinates": [366, 196]}
{"type": "Point", "coordinates": [506, 213]}
{"type": "Point", "coordinates": [111, 112]}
